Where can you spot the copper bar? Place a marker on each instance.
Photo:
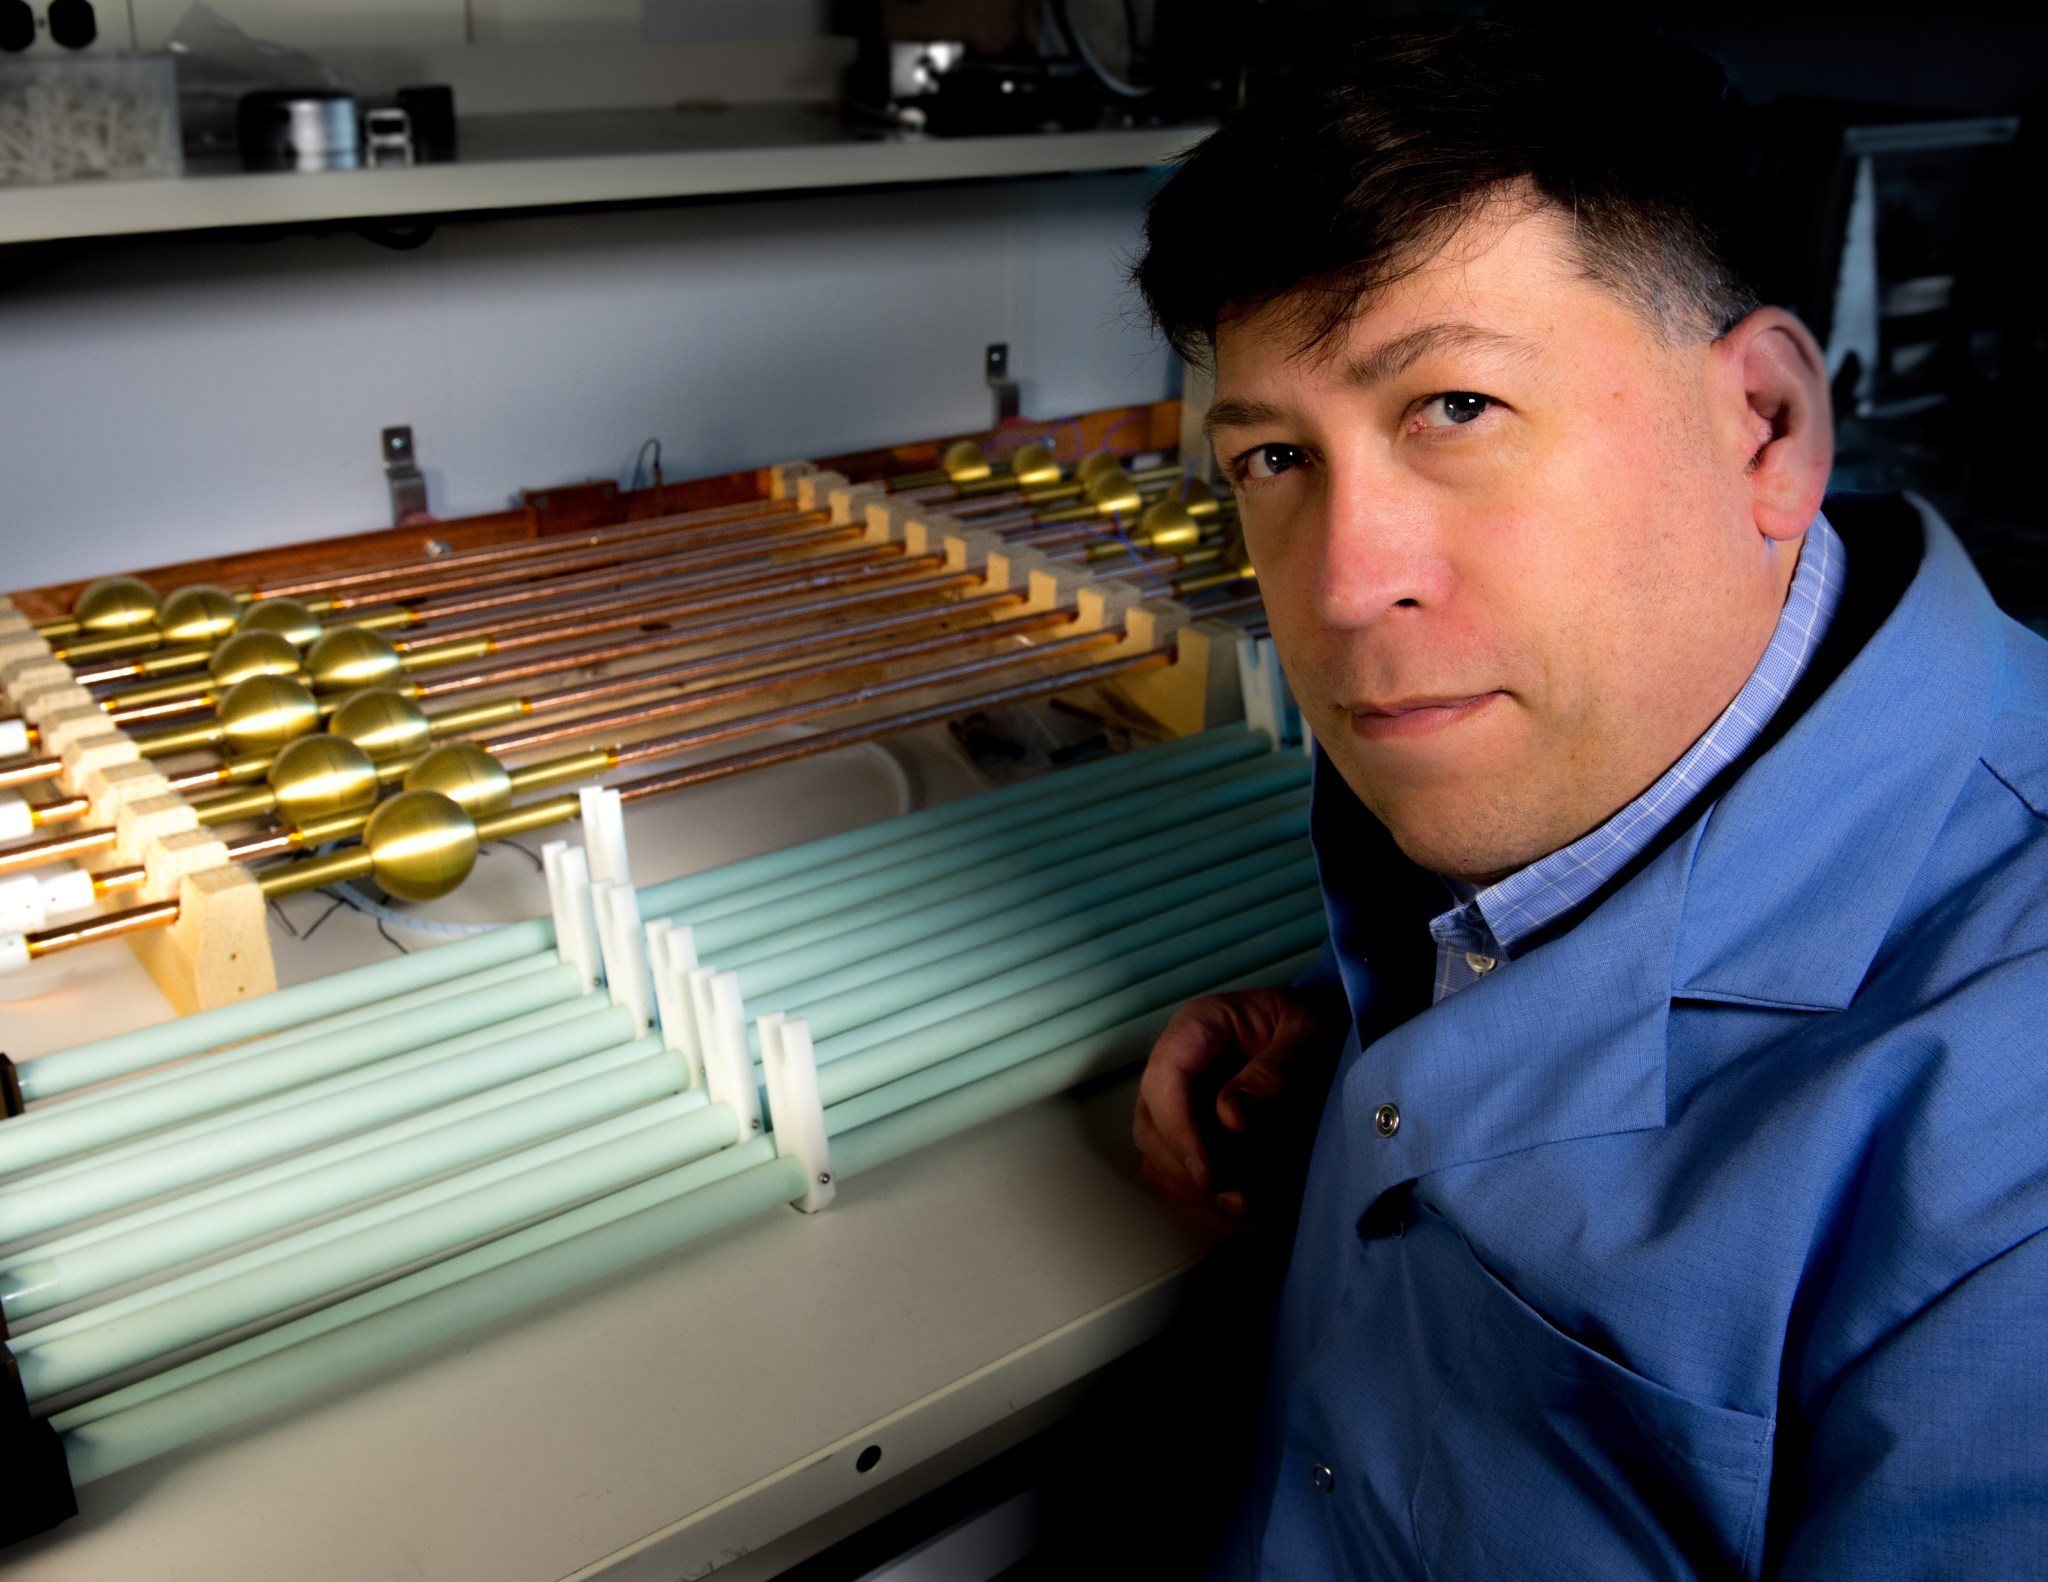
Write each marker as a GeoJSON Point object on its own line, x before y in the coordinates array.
{"type": "Point", "coordinates": [91, 930]}
{"type": "Point", "coordinates": [588, 725]}
{"type": "Point", "coordinates": [868, 730]}
{"type": "Point", "coordinates": [704, 735]}
{"type": "Point", "coordinates": [57, 810]}
{"type": "Point", "coordinates": [55, 848]}
{"type": "Point", "coordinates": [28, 771]}
{"type": "Point", "coordinates": [696, 632]}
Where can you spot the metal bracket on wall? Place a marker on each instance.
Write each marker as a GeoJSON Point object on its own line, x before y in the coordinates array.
{"type": "Point", "coordinates": [996, 367]}
{"type": "Point", "coordinates": [401, 471]}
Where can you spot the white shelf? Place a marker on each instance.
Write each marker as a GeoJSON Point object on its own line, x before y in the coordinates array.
{"type": "Point", "coordinates": [568, 158]}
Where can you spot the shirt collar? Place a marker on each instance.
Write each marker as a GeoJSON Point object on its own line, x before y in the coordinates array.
{"type": "Point", "coordinates": [1535, 898]}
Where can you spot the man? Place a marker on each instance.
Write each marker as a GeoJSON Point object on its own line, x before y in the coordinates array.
{"type": "Point", "coordinates": [1676, 1200]}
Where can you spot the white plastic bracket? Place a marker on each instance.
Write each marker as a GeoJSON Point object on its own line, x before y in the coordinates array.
{"type": "Point", "coordinates": [722, 1035]}
{"type": "Point", "coordinates": [794, 1105]}
{"type": "Point", "coordinates": [671, 953]}
{"type": "Point", "coordinates": [623, 945]}
{"type": "Point", "coordinates": [604, 835]}
{"type": "Point", "coordinates": [576, 938]}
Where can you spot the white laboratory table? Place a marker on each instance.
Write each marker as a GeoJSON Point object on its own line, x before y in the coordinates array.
{"type": "Point", "coordinates": [707, 1411]}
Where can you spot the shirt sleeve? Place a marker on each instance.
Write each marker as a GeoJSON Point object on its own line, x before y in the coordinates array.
{"type": "Point", "coordinates": [1931, 1461]}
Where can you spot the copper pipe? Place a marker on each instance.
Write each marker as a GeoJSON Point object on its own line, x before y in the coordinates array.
{"type": "Point", "coordinates": [427, 588]}
{"type": "Point", "coordinates": [29, 771]}
{"type": "Point", "coordinates": [851, 735]}
{"type": "Point", "coordinates": [1223, 609]}
{"type": "Point", "coordinates": [691, 633]}
{"type": "Point", "coordinates": [69, 936]}
{"type": "Point", "coordinates": [55, 848]}
{"type": "Point", "coordinates": [585, 726]}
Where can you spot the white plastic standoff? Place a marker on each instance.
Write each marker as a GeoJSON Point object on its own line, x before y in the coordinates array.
{"type": "Point", "coordinates": [795, 1106]}
{"type": "Point", "coordinates": [604, 835]}
{"type": "Point", "coordinates": [671, 953]}
{"type": "Point", "coordinates": [13, 738]}
{"type": "Point", "coordinates": [575, 920]}
{"type": "Point", "coordinates": [16, 821]}
{"type": "Point", "coordinates": [625, 955]}
{"type": "Point", "coordinates": [29, 902]}
{"type": "Point", "coordinates": [722, 1035]}
{"type": "Point", "coordinates": [13, 952]}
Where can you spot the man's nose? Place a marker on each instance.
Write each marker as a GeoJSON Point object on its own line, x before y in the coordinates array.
{"type": "Point", "coordinates": [1381, 552]}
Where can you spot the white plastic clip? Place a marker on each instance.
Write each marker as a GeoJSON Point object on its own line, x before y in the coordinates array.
{"type": "Point", "coordinates": [795, 1106]}
{"type": "Point", "coordinates": [13, 738]}
{"type": "Point", "coordinates": [604, 835]}
{"type": "Point", "coordinates": [576, 938]}
{"type": "Point", "coordinates": [722, 1035]}
{"type": "Point", "coordinates": [671, 953]}
{"type": "Point", "coordinates": [625, 955]}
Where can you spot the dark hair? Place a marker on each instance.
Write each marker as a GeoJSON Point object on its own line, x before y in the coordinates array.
{"type": "Point", "coordinates": [1358, 167]}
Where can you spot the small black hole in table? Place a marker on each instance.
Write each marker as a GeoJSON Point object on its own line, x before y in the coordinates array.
{"type": "Point", "coordinates": [865, 1461]}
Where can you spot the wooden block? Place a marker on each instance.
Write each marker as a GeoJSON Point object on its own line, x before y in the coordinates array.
{"type": "Point", "coordinates": [92, 755]}
{"type": "Point", "coordinates": [1104, 606]}
{"type": "Point", "coordinates": [218, 951]}
{"type": "Point", "coordinates": [1010, 568]}
{"type": "Point", "coordinates": [169, 860]}
{"type": "Point", "coordinates": [813, 487]}
{"type": "Point", "coordinates": [848, 502]}
{"type": "Point", "coordinates": [112, 786]}
{"type": "Point", "coordinates": [1053, 586]}
{"type": "Point", "coordinates": [968, 549]}
{"type": "Point", "coordinates": [925, 533]}
{"type": "Point", "coordinates": [1199, 691]}
{"type": "Point", "coordinates": [61, 727]}
{"type": "Point", "coordinates": [783, 475]}
{"type": "Point", "coordinates": [20, 677]}
{"type": "Point", "coordinates": [141, 821]}
{"type": "Point", "coordinates": [887, 519]}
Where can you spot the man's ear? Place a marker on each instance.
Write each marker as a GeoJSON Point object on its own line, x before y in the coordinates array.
{"type": "Point", "coordinates": [1772, 391]}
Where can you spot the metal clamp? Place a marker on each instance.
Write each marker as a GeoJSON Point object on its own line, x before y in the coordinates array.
{"type": "Point", "coordinates": [996, 368]}
{"type": "Point", "coordinates": [402, 473]}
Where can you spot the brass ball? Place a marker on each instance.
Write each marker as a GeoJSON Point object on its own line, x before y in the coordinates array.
{"type": "Point", "coordinates": [466, 774]}
{"type": "Point", "coordinates": [1035, 464]}
{"type": "Point", "coordinates": [350, 658]}
{"type": "Point", "coordinates": [249, 654]}
{"type": "Point", "coordinates": [1114, 491]}
{"type": "Point", "coordinates": [1095, 464]}
{"type": "Point", "coordinates": [321, 776]}
{"type": "Point", "coordinates": [262, 713]}
{"type": "Point", "coordinates": [288, 618]}
{"type": "Point", "coordinates": [200, 613]}
{"type": "Point", "coordinates": [383, 723]}
{"type": "Point", "coordinates": [964, 462]}
{"type": "Point", "coordinates": [422, 845]}
{"type": "Point", "coordinates": [1167, 525]}
{"type": "Point", "coordinates": [114, 605]}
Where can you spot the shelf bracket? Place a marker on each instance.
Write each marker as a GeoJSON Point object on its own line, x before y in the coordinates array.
{"type": "Point", "coordinates": [402, 473]}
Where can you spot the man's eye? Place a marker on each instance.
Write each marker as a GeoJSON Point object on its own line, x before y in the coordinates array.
{"type": "Point", "coordinates": [1452, 408]}
{"type": "Point", "coordinates": [1269, 461]}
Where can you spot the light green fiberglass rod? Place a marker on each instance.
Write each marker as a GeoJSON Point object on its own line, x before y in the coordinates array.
{"type": "Point", "coordinates": [206, 1086]}
{"type": "Point", "coordinates": [315, 1115]}
{"type": "Point", "coordinates": [102, 1060]}
{"type": "Point", "coordinates": [368, 1165]}
{"type": "Point", "coordinates": [256, 1376]}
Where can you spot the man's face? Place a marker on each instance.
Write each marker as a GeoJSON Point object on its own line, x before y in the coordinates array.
{"type": "Point", "coordinates": [1509, 566]}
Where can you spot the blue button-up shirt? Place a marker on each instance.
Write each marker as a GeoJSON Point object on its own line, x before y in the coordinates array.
{"type": "Point", "coordinates": [1705, 1237]}
{"type": "Point", "coordinates": [1485, 927]}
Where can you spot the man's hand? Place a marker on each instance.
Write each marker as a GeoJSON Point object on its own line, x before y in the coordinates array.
{"type": "Point", "coordinates": [1230, 1096]}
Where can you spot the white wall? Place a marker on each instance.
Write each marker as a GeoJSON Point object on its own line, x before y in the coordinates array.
{"type": "Point", "coordinates": [172, 397]}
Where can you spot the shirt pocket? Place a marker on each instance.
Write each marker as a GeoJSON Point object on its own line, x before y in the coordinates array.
{"type": "Point", "coordinates": [1549, 1460]}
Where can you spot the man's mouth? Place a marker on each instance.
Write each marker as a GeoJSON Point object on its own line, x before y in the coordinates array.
{"type": "Point", "coordinates": [1397, 719]}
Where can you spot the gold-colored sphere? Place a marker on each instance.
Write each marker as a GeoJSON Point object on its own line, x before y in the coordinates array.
{"type": "Point", "coordinates": [466, 774]}
{"type": "Point", "coordinates": [1035, 464]}
{"type": "Point", "coordinates": [288, 618]}
{"type": "Point", "coordinates": [1167, 525]}
{"type": "Point", "coordinates": [249, 654]}
{"type": "Point", "coordinates": [964, 462]}
{"type": "Point", "coordinates": [383, 723]}
{"type": "Point", "coordinates": [1095, 464]}
{"type": "Point", "coordinates": [422, 845]}
{"type": "Point", "coordinates": [261, 714]}
{"type": "Point", "coordinates": [1114, 491]}
{"type": "Point", "coordinates": [321, 776]}
{"type": "Point", "coordinates": [350, 658]}
{"type": "Point", "coordinates": [200, 613]}
{"type": "Point", "coordinates": [115, 605]}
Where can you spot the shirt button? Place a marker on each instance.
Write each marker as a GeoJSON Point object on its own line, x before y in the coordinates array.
{"type": "Point", "coordinates": [1323, 1478]}
{"type": "Point", "coordinates": [1480, 964]}
{"type": "Point", "coordinates": [1386, 1120]}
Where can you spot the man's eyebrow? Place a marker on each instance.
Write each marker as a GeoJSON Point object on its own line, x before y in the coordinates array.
{"type": "Point", "coordinates": [1396, 356]}
{"type": "Point", "coordinates": [1239, 412]}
